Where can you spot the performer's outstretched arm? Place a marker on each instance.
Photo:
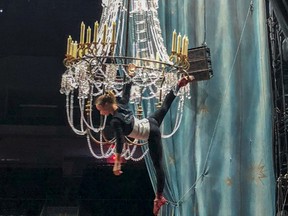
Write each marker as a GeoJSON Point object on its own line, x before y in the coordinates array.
{"type": "Point", "coordinates": [126, 93]}
{"type": "Point", "coordinates": [127, 88]}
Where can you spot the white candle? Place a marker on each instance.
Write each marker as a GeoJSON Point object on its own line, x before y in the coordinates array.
{"type": "Point", "coordinates": [186, 46]}
{"type": "Point", "coordinates": [69, 40]}
{"type": "Point", "coordinates": [178, 44]}
{"type": "Point", "coordinates": [71, 48]}
{"type": "Point", "coordinates": [113, 32]}
{"type": "Point", "coordinates": [88, 35]}
{"type": "Point", "coordinates": [104, 34]}
{"type": "Point", "coordinates": [95, 35]}
{"type": "Point", "coordinates": [75, 49]}
{"type": "Point", "coordinates": [82, 33]}
{"type": "Point", "coordinates": [183, 44]}
{"type": "Point", "coordinates": [174, 36]}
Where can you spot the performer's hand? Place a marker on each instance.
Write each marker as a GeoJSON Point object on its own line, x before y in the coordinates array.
{"type": "Point", "coordinates": [117, 168]}
{"type": "Point", "coordinates": [131, 70]}
{"type": "Point", "coordinates": [185, 80]}
{"type": "Point", "coordinates": [117, 172]}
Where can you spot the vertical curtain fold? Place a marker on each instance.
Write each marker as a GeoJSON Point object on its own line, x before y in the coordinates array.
{"type": "Point", "coordinates": [220, 160]}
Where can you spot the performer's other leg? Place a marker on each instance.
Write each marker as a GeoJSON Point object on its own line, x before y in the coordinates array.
{"type": "Point", "coordinates": [155, 150]}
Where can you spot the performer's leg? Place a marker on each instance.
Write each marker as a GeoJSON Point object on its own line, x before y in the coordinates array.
{"type": "Point", "coordinates": [155, 149]}
{"type": "Point", "coordinates": [159, 114]}
{"type": "Point", "coordinates": [155, 143]}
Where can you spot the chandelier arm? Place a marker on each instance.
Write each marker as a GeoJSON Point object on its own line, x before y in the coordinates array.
{"type": "Point", "coordinates": [131, 58]}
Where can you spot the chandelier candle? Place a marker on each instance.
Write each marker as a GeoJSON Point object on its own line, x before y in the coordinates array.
{"type": "Point", "coordinates": [174, 41]}
{"type": "Point", "coordinates": [69, 41]}
{"type": "Point", "coordinates": [88, 36]}
{"type": "Point", "coordinates": [82, 33]}
{"type": "Point", "coordinates": [95, 35]}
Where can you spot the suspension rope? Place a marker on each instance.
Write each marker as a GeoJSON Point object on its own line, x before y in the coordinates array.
{"type": "Point", "coordinates": [205, 23]}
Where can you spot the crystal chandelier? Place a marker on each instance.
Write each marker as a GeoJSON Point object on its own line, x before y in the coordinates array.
{"type": "Point", "coordinates": [127, 39]}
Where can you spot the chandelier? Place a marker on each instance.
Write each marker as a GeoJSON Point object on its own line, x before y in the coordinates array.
{"type": "Point", "coordinates": [127, 39]}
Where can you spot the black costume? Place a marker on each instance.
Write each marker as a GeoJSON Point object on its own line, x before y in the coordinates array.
{"type": "Point", "coordinates": [123, 122]}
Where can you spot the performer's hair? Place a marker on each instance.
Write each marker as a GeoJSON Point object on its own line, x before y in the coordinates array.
{"type": "Point", "coordinates": [107, 97]}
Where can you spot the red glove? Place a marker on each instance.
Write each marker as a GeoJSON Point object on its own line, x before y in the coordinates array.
{"type": "Point", "coordinates": [185, 80]}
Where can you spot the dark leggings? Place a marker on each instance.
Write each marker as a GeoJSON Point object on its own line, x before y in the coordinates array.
{"type": "Point", "coordinates": [155, 142]}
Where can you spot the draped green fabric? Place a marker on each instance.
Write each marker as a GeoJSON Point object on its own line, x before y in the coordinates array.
{"type": "Point", "coordinates": [220, 161]}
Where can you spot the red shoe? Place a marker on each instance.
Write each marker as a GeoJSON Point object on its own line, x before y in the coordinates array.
{"type": "Point", "coordinates": [158, 203]}
{"type": "Point", "coordinates": [185, 80]}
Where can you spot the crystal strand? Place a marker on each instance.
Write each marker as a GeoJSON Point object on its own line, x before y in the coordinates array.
{"type": "Point", "coordinates": [112, 141]}
{"type": "Point", "coordinates": [178, 122]}
{"type": "Point", "coordinates": [70, 116]}
{"type": "Point", "coordinates": [92, 151]}
{"type": "Point", "coordinates": [101, 144]}
{"type": "Point", "coordinates": [157, 36]}
{"type": "Point", "coordinates": [128, 153]}
{"type": "Point", "coordinates": [91, 127]}
{"type": "Point", "coordinates": [109, 152]}
{"type": "Point", "coordinates": [122, 11]}
{"type": "Point", "coordinates": [81, 101]}
{"type": "Point", "coordinates": [141, 157]}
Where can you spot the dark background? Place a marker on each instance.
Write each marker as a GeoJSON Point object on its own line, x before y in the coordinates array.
{"type": "Point", "coordinates": [42, 162]}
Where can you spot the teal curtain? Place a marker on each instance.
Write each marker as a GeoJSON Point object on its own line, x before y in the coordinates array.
{"type": "Point", "coordinates": [220, 161]}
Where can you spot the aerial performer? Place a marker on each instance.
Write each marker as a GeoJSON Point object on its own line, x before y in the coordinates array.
{"type": "Point", "coordinates": [124, 123]}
